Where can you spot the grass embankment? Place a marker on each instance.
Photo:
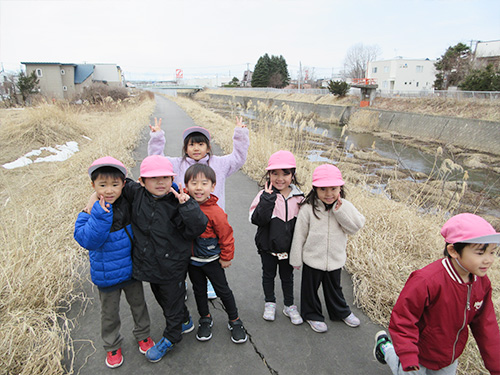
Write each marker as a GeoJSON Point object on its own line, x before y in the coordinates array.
{"type": "Point", "coordinates": [397, 239]}
{"type": "Point", "coordinates": [483, 109]}
{"type": "Point", "coordinates": [40, 262]}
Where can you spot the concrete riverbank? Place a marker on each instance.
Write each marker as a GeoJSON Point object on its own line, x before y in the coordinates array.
{"type": "Point", "coordinates": [480, 135]}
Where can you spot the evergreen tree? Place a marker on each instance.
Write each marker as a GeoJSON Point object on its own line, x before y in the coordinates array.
{"type": "Point", "coordinates": [271, 72]}
{"type": "Point", "coordinates": [27, 84]}
{"type": "Point", "coordinates": [452, 67]}
{"type": "Point", "coordinates": [260, 76]}
{"type": "Point", "coordinates": [486, 79]}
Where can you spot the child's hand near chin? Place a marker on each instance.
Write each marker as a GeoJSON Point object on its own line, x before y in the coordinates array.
{"type": "Point", "coordinates": [239, 122]}
{"type": "Point", "coordinates": [181, 197]}
{"type": "Point", "coordinates": [105, 206]}
{"type": "Point", "coordinates": [157, 125]}
{"type": "Point", "coordinates": [93, 198]}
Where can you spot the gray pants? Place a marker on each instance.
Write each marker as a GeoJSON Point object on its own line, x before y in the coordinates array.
{"type": "Point", "coordinates": [110, 315]}
{"type": "Point", "coordinates": [392, 360]}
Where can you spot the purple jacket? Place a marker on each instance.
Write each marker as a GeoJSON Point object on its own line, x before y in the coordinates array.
{"type": "Point", "coordinates": [224, 166]}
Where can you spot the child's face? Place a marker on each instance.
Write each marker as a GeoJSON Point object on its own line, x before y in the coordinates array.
{"type": "Point", "coordinates": [280, 179]}
{"type": "Point", "coordinates": [200, 187]}
{"type": "Point", "coordinates": [328, 195]}
{"type": "Point", "coordinates": [476, 259]}
{"type": "Point", "coordinates": [197, 150]}
{"type": "Point", "coordinates": [108, 187]}
{"type": "Point", "coordinates": [157, 185]}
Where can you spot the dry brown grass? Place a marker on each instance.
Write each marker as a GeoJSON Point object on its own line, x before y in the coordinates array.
{"type": "Point", "coordinates": [398, 237]}
{"type": "Point", "coordinates": [40, 260]}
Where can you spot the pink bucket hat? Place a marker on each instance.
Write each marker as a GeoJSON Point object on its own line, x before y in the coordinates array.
{"type": "Point", "coordinates": [156, 166]}
{"type": "Point", "coordinates": [196, 129]}
{"type": "Point", "coordinates": [327, 175]}
{"type": "Point", "coordinates": [469, 228]}
{"type": "Point", "coordinates": [107, 161]}
{"type": "Point", "coordinates": [281, 160]}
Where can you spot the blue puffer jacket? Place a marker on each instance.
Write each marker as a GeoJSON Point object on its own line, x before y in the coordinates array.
{"type": "Point", "coordinates": [105, 235]}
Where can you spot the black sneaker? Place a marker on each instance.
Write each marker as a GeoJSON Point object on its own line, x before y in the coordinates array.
{"type": "Point", "coordinates": [238, 333]}
{"type": "Point", "coordinates": [204, 329]}
{"type": "Point", "coordinates": [381, 339]}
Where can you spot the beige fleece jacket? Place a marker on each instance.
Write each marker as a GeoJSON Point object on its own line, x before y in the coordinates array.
{"type": "Point", "coordinates": [321, 243]}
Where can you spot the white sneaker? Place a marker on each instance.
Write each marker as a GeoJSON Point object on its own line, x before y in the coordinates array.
{"type": "Point", "coordinates": [293, 314]}
{"type": "Point", "coordinates": [318, 326]}
{"type": "Point", "coordinates": [269, 311]}
{"type": "Point", "coordinates": [352, 321]}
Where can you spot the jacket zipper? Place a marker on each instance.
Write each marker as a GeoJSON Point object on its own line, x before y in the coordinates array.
{"type": "Point", "coordinates": [467, 308]}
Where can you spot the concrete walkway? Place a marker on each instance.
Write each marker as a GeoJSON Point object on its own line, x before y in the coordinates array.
{"type": "Point", "coordinates": [273, 347]}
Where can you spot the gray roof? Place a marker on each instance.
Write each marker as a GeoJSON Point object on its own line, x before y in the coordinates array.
{"type": "Point", "coordinates": [82, 72]}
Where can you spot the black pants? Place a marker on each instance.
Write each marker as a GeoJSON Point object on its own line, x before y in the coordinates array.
{"type": "Point", "coordinates": [215, 273]}
{"type": "Point", "coordinates": [270, 263]}
{"type": "Point", "coordinates": [170, 296]}
{"type": "Point", "coordinates": [310, 304]}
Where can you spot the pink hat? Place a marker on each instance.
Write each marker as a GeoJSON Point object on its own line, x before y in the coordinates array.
{"type": "Point", "coordinates": [327, 175]}
{"type": "Point", "coordinates": [196, 129]}
{"type": "Point", "coordinates": [107, 161]}
{"type": "Point", "coordinates": [469, 228]}
{"type": "Point", "coordinates": [156, 166]}
{"type": "Point", "coordinates": [281, 160]}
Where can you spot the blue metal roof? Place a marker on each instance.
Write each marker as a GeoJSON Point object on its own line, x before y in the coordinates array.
{"type": "Point", "coordinates": [82, 72]}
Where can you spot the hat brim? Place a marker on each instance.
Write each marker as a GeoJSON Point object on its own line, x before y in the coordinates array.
{"type": "Point", "coordinates": [119, 167]}
{"type": "Point", "coordinates": [158, 173]}
{"type": "Point", "coordinates": [200, 130]}
{"type": "Point", "coordinates": [282, 166]}
{"type": "Point", "coordinates": [490, 238]}
{"type": "Point", "coordinates": [328, 183]}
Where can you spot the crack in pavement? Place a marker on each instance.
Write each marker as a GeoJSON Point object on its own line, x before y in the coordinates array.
{"type": "Point", "coordinates": [214, 303]}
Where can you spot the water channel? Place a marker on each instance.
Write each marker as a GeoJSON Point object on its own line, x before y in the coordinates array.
{"type": "Point", "coordinates": [406, 157]}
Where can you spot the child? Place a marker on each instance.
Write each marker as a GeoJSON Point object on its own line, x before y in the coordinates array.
{"type": "Point", "coordinates": [429, 320]}
{"type": "Point", "coordinates": [274, 211]}
{"type": "Point", "coordinates": [212, 252]}
{"type": "Point", "coordinates": [319, 242]}
{"type": "Point", "coordinates": [165, 223]}
{"type": "Point", "coordinates": [107, 234]}
{"type": "Point", "coordinates": [196, 149]}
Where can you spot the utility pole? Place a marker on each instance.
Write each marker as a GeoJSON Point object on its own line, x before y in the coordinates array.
{"type": "Point", "coordinates": [300, 74]}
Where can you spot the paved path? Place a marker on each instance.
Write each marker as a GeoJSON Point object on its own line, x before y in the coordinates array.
{"type": "Point", "coordinates": [273, 348]}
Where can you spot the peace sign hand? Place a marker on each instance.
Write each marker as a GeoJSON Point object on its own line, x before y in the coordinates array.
{"type": "Point", "coordinates": [105, 206]}
{"type": "Point", "coordinates": [268, 187]}
{"type": "Point", "coordinates": [239, 122]}
{"type": "Point", "coordinates": [157, 126]}
{"type": "Point", "coordinates": [181, 197]}
{"type": "Point", "coordinates": [338, 204]}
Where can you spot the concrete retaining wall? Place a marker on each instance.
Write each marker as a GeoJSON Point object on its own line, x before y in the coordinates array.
{"type": "Point", "coordinates": [472, 134]}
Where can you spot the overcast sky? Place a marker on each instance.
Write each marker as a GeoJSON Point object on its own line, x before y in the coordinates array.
{"type": "Point", "coordinates": [152, 38]}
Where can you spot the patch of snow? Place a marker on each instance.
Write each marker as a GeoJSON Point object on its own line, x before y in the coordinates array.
{"type": "Point", "coordinates": [60, 153]}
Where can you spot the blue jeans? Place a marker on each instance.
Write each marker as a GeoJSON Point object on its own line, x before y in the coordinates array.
{"type": "Point", "coordinates": [392, 360]}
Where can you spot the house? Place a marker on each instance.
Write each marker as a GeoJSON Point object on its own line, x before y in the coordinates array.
{"type": "Point", "coordinates": [402, 74]}
{"type": "Point", "coordinates": [247, 79]}
{"type": "Point", "coordinates": [65, 81]}
{"type": "Point", "coordinates": [487, 53]}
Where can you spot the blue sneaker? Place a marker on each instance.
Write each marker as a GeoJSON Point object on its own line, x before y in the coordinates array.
{"type": "Point", "coordinates": [159, 350]}
{"type": "Point", "coordinates": [210, 291]}
{"type": "Point", "coordinates": [188, 326]}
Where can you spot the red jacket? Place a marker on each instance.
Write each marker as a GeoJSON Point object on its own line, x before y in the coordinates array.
{"type": "Point", "coordinates": [218, 237]}
{"type": "Point", "coordinates": [429, 321]}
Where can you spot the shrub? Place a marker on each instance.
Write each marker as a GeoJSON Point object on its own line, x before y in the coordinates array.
{"type": "Point", "coordinates": [97, 92]}
{"type": "Point", "coordinates": [338, 88]}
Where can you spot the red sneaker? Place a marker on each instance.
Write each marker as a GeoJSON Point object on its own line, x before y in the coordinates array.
{"type": "Point", "coordinates": [114, 358]}
{"type": "Point", "coordinates": [145, 345]}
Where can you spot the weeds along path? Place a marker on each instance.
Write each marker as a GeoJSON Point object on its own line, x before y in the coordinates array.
{"type": "Point", "coordinates": [40, 261]}
{"type": "Point", "coordinates": [397, 238]}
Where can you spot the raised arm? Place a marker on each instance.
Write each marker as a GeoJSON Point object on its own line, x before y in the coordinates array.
{"type": "Point", "coordinates": [156, 143]}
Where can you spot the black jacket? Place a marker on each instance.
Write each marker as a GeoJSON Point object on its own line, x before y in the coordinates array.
{"type": "Point", "coordinates": [164, 231]}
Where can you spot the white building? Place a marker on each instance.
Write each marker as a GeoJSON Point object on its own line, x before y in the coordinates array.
{"type": "Point", "coordinates": [402, 74]}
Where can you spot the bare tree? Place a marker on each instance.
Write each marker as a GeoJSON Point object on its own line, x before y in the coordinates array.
{"type": "Point", "coordinates": [357, 58]}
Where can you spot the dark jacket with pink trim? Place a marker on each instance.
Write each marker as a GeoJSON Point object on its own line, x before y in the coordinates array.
{"type": "Point", "coordinates": [275, 217]}
{"type": "Point", "coordinates": [429, 321]}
